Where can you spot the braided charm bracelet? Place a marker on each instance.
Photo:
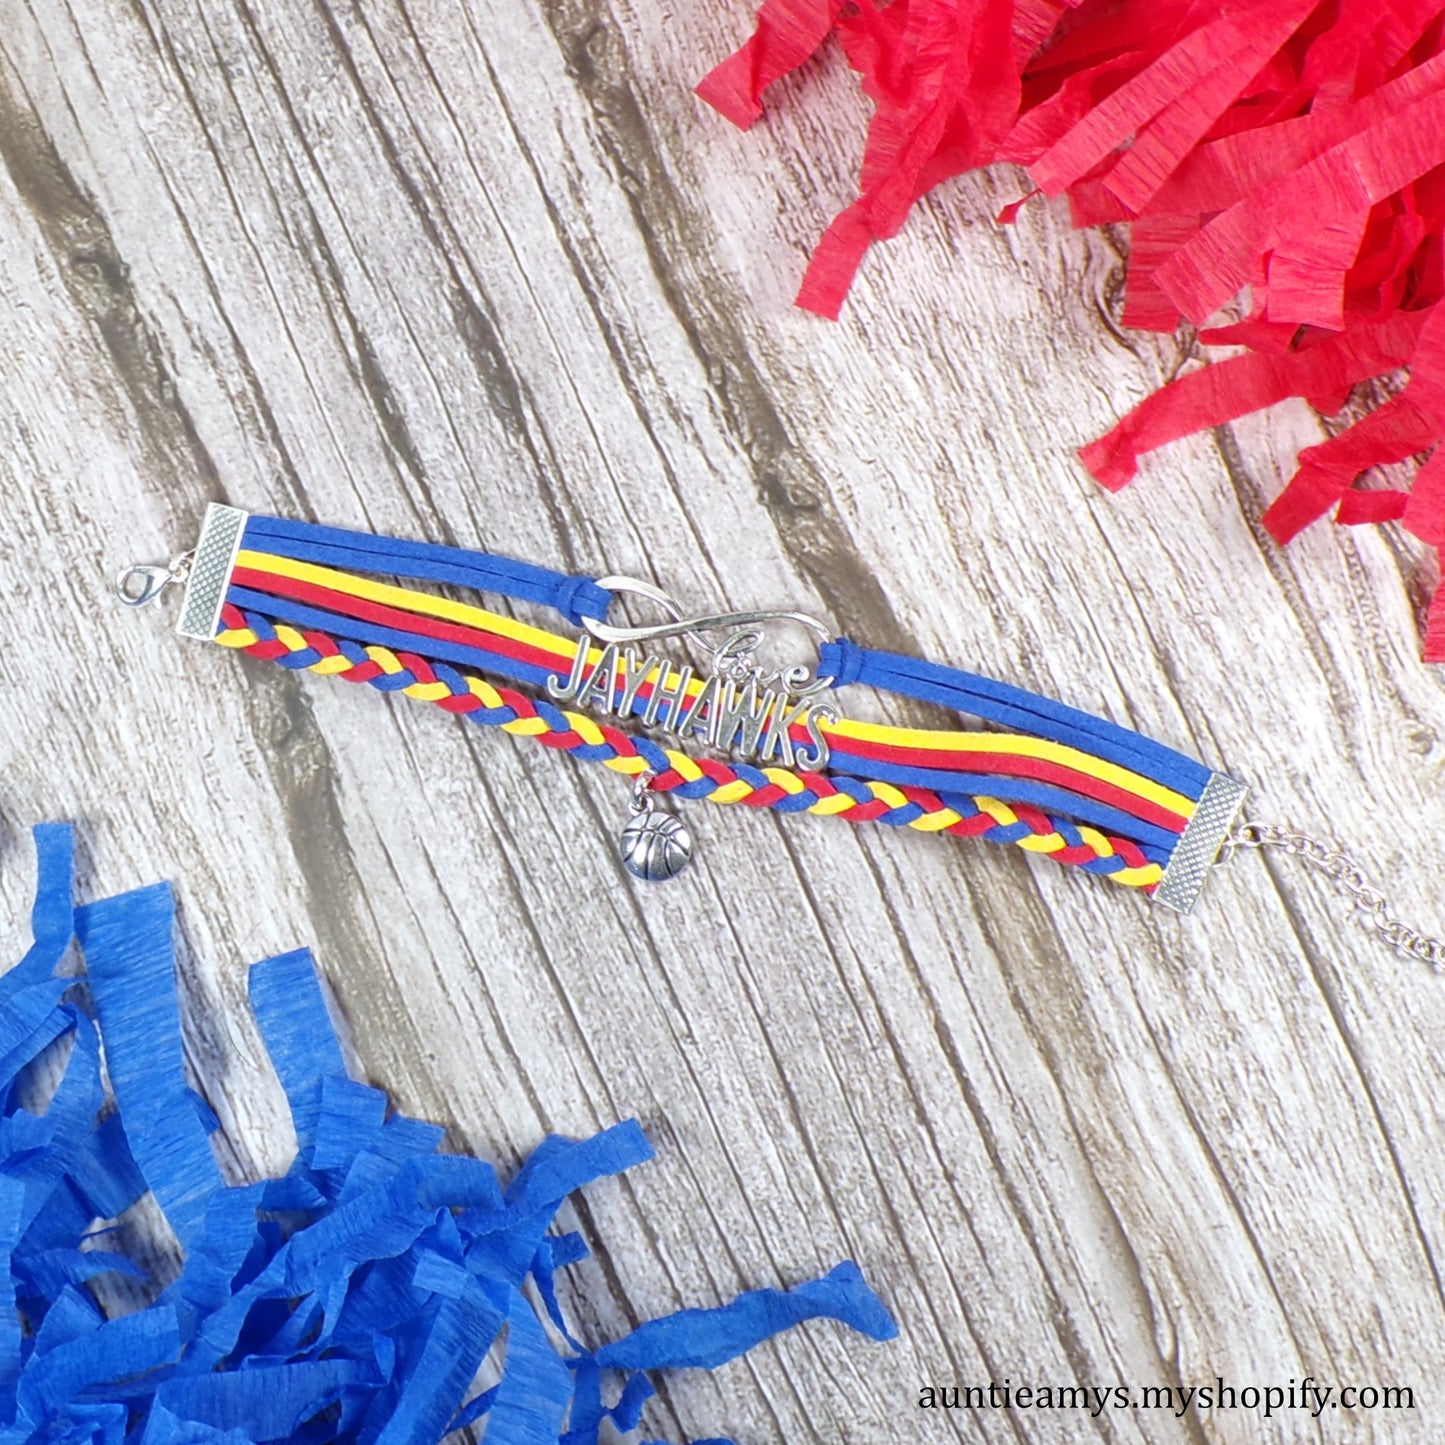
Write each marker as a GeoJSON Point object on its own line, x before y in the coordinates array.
{"type": "Point", "coordinates": [1040, 775]}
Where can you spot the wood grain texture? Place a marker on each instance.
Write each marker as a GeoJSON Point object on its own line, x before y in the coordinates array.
{"type": "Point", "coordinates": [489, 274]}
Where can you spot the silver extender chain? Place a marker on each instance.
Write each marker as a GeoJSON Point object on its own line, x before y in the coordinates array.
{"type": "Point", "coordinates": [1348, 877]}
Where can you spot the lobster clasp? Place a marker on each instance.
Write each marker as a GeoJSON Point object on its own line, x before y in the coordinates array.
{"type": "Point", "coordinates": [146, 582]}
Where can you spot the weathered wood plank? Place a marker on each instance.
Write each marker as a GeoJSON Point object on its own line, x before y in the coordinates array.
{"type": "Point", "coordinates": [490, 274]}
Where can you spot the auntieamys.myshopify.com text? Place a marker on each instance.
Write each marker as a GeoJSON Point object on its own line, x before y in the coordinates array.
{"type": "Point", "coordinates": [1307, 1396]}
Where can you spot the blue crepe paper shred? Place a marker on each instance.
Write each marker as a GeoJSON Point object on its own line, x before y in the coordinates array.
{"type": "Point", "coordinates": [352, 1300]}
{"type": "Point", "coordinates": [129, 961]}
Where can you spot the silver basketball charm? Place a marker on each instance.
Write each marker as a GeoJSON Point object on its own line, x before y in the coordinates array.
{"type": "Point", "coordinates": [655, 846]}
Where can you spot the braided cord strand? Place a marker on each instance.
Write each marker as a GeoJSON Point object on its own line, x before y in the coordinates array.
{"type": "Point", "coordinates": [853, 799]}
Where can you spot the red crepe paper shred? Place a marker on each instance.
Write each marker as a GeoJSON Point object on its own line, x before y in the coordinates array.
{"type": "Point", "coordinates": [1282, 157]}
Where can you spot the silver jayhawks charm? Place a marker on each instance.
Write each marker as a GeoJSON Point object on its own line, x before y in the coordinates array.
{"type": "Point", "coordinates": [654, 845]}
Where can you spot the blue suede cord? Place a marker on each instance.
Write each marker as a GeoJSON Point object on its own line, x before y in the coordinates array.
{"type": "Point", "coordinates": [574, 597]}
{"type": "Point", "coordinates": [997, 702]}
